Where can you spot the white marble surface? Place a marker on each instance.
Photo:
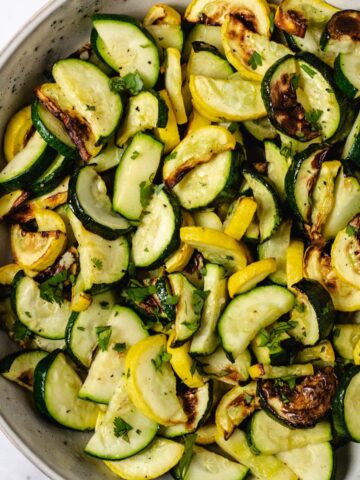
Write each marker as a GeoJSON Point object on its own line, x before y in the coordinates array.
{"type": "Point", "coordinates": [13, 465]}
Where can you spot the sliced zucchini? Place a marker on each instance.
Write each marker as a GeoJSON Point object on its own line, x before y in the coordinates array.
{"type": "Point", "coordinates": [277, 166]}
{"type": "Point", "coordinates": [47, 345]}
{"type": "Point", "coordinates": [56, 385]}
{"type": "Point", "coordinates": [345, 74]}
{"type": "Point", "coordinates": [269, 437]}
{"type": "Point", "coordinates": [205, 59]}
{"type": "Point", "coordinates": [345, 338]}
{"type": "Point", "coordinates": [123, 431]}
{"type": "Point", "coordinates": [162, 14]}
{"type": "Point", "coordinates": [261, 129]}
{"type": "Point", "coordinates": [136, 170]}
{"type": "Point", "coordinates": [209, 466]}
{"type": "Point", "coordinates": [52, 130]}
{"type": "Point", "coordinates": [11, 201]}
{"type": "Point", "coordinates": [53, 199]}
{"type": "Point", "coordinates": [166, 36]}
{"type": "Point", "coordinates": [313, 312]}
{"type": "Point", "coordinates": [272, 353]}
{"type": "Point", "coordinates": [46, 319]}
{"type": "Point", "coordinates": [19, 367]}
{"type": "Point", "coordinates": [264, 467]}
{"type": "Point", "coordinates": [157, 235]}
{"type": "Point", "coordinates": [345, 253]}
{"type": "Point", "coordinates": [89, 202]}
{"type": "Point", "coordinates": [351, 149]}
{"type": "Point", "coordinates": [298, 403]}
{"type": "Point", "coordinates": [173, 83]}
{"type": "Point", "coordinates": [52, 176]}
{"type": "Point", "coordinates": [205, 435]}
{"type": "Point", "coordinates": [207, 219]}
{"type": "Point", "coordinates": [249, 52]}
{"type": "Point", "coordinates": [154, 461]}
{"type": "Point", "coordinates": [268, 202]}
{"type": "Point", "coordinates": [231, 99]}
{"type": "Point", "coordinates": [18, 132]}
{"type": "Point", "coordinates": [196, 148]}
{"type": "Point", "coordinates": [27, 165]}
{"type": "Point", "coordinates": [148, 372]}
{"type": "Point", "coordinates": [204, 186]}
{"type": "Point", "coordinates": [341, 33]}
{"type": "Point", "coordinates": [205, 340]}
{"type": "Point", "coordinates": [345, 414]}
{"type": "Point", "coordinates": [145, 111]}
{"type": "Point", "coordinates": [101, 261]}
{"type": "Point", "coordinates": [197, 404]}
{"type": "Point", "coordinates": [203, 33]}
{"type": "Point", "coordinates": [248, 313]}
{"type": "Point", "coordinates": [109, 365]}
{"type": "Point", "coordinates": [321, 355]}
{"type": "Point", "coordinates": [87, 88]}
{"type": "Point", "coordinates": [313, 462]}
{"type": "Point", "coordinates": [84, 329]}
{"type": "Point", "coordinates": [301, 179]}
{"type": "Point", "coordinates": [255, 13]}
{"type": "Point", "coordinates": [260, 371]}
{"type": "Point", "coordinates": [110, 41]}
{"type": "Point", "coordinates": [8, 272]}
{"type": "Point", "coordinates": [219, 367]}
{"type": "Point", "coordinates": [109, 157]}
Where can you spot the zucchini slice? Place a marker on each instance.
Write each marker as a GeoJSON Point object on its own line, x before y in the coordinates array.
{"type": "Point", "coordinates": [211, 183]}
{"type": "Point", "coordinates": [157, 235]}
{"type": "Point", "coordinates": [11, 201]}
{"type": "Point", "coordinates": [196, 148]}
{"type": "Point", "coordinates": [52, 130]}
{"type": "Point", "coordinates": [197, 404]}
{"type": "Point", "coordinates": [345, 338]}
{"type": "Point", "coordinates": [231, 100]}
{"type": "Point", "coordinates": [84, 329]}
{"type": "Point", "coordinates": [168, 135]}
{"type": "Point", "coordinates": [321, 354]}
{"type": "Point", "coordinates": [210, 466]}
{"type": "Point", "coordinates": [255, 13]}
{"type": "Point", "coordinates": [109, 365]}
{"type": "Point", "coordinates": [27, 165]}
{"type": "Point", "coordinates": [345, 253]}
{"type": "Point", "coordinates": [96, 265]}
{"type": "Point", "coordinates": [345, 414]}
{"type": "Point", "coordinates": [341, 33]}
{"type": "Point", "coordinates": [301, 179]}
{"type": "Point", "coordinates": [249, 52]}
{"type": "Point", "coordinates": [203, 33]}
{"type": "Point", "coordinates": [123, 431]}
{"type": "Point", "coordinates": [145, 111]}
{"type": "Point", "coordinates": [345, 74]}
{"type": "Point", "coordinates": [173, 83]}
{"type": "Point", "coordinates": [268, 202]}
{"type": "Point", "coordinates": [90, 203]}
{"type": "Point", "coordinates": [154, 461]}
{"type": "Point", "coordinates": [262, 466]}
{"type": "Point", "coordinates": [313, 462]}
{"type": "Point", "coordinates": [248, 313]}
{"type": "Point", "coordinates": [205, 340]}
{"type": "Point", "coordinates": [205, 59]}
{"type": "Point", "coordinates": [297, 403]}
{"type": "Point", "coordinates": [56, 385]}
{"type": "Point", "coordinates": [52, 176]}
{"type": "Point", "coordinates": [219, 367]}
{"type": "Point", "coordinates": [18, 132]}
{"type": "Point", "coordinates": [261, 129]}
{"type": "Point", "coordinates": [188, 308]}
{"type": "Point", "coordinates": [87, 88]}
{"type": "Point", "coordinates": [313, 312]}
{"type": "Point", "coordinates": [351, 149]}
{"type": "Point", "coordinates": [277, 165]}
{"type": "Point", "coordinates": [137, 169]}
{"type": "Point", "coordinates": [270, 437]}
{"type": "Point", "coordinates": [46, 319]}
{"type": "Point", "coordinates": [109, 157]}
{"type": "Point", "coordinates": [166, 36]}
{"type": "Point", "coordinates": [110, 41]}
{"type": "Point", "coordinates": [19, 367]}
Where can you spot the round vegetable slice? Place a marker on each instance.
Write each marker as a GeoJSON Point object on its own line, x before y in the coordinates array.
{"type": "Point", "coordinates": [345, 413]}
{"type": "Point", "coordinates": [18, 132]}
{"type": "Point", "coordinates": [250, 276]}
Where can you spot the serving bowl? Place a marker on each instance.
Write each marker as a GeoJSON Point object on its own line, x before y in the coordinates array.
{"type": "Point", "coordinates": [53, 33]}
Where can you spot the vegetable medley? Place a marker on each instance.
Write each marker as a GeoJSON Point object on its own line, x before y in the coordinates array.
{"type": "Point", "coordinates": [184, 203]}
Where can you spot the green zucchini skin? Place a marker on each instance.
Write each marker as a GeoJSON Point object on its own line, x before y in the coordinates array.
{"type": "Point", "coordinates": [163, 110]}
{"type": "Point", "coordinates": [68, 333]}
{"type": "Point", "coordinates": [341, 81]}
{"type": "Point", "coordinates": [338, 409]}
{"type": "Point", "coordinates": [6, 362]}
{"type": "Point", "coordinates": [351, 152]}
{"type": "Point", "coordinates": [46, 184]}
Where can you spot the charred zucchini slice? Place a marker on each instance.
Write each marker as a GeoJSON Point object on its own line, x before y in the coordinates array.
{"type": "Point", "coordinates": [19, 367]}
{"type": "Point", "coordinates": [341, 34]}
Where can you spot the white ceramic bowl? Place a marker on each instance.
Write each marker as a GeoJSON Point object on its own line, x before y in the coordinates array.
{"type": "Point", "coordinates": [53, 33]}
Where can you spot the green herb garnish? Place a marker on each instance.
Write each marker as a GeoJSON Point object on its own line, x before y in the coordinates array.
{"type": "Point", "coordinates": [161, 358]}
{"type": "Point", "coordinates": [122, 429]}
{"type": "Point", "coordinates": [131, 83]}
{"type": "Point", "coordinates": [255, 60]}
{"type": "Point", "coordinates": [103, 334]}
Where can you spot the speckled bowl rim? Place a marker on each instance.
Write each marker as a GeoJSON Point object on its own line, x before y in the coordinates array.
{"type": "Point", "coordinates": [12, 45]}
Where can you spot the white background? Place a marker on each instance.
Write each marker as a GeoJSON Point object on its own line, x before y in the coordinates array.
{"type": "Point", "coordinates": [14, 13]}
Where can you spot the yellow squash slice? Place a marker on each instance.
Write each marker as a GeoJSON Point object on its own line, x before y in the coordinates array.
{"type": "Point", "coordinates": [18, 132]}
{"type": "Point", "coordinates": [250, 276]}
{"type": "Point", "coordinates": [181, 257]}
{"type": "Point", "coordinates": [173, 83]}
{"type": "Point", "coordinates": [182, 364]}
{"type": "Point", "coordinates": [294, 262]}
{"type": "Point", "coordinates": [239, 217]}
{"type": "Point", "coordinates": [345, 254]}
{"type": "Point", "coordinates": [8, 272]}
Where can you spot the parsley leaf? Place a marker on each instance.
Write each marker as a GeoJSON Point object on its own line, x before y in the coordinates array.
{"type": "Point", "coordinates": [20, 332]}
{"type": "Point", "coordinates": [119, 347]}
{"type": "Point", "coordinates": [103, 334]}
{"type": "Point", "coordinates": [233, 127]}
{"type": "Point", "coordinates": [255, 60]}
{"type": "Point", "coordinates": [131, 83]}
{"type": "Point", "coordinates": [272, 17]}
{"type": "Point", "coordinates": [172, 300]}
{"type": "Point", "coordinates": [158, 188]}
{"type": "Point", "coordinates": [97, 263]}
{"type": "Point", "coordinates": [122, 429]}
{"type": "Point", "coordinates": [161, 357]}
{"type": "Point", "coordinates": [351, 231]}
{"type": "Point", "coordinates": [134, 155]}
{"type": "Point", "coordinates": [52, 289]}
{"type": "Point", "coordinates": [272, 338]}
{"type": "Point", "coordinates": [198, 299]}
{"type": "Point", "coordinates": [182, 467]}
{"type": "Point", "coordinates": [295, 79]}
{"type": "Point", "coordinates": [146, 192]}
{"type": "Point", "coordinates": [286, 151]}
{"type": "Point", "coordinates": [308, 70]}
{"type": "Point", "coordinates": [171, 156]}
{"type": "Point", "coordinates": [313, 117]}
{"type": "Point", "coordinates": [139, 294]}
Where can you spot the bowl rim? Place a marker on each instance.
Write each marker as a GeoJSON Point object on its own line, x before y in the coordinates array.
{"type": "Point", "coordinates": [10, 47]}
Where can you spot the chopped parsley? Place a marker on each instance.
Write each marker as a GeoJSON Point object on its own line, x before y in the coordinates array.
{"type": "Point", "coordinates": [255, 60]}
{"type": "Point", "coordinates": [308, 70]}
{"type": "Point", "coordinates": [233, 127]}
{"type": "Point", "coordinates": [146, 192]}
{"type": "Point", "coordinates": [286, 151]}
{"type": "Point", "coordinates": [272, 25]}
{"type": "Point", "coordinates": [122, 429]}
{"type": "Point", "coordinates": [351, 231]}
{"type": "Point", "coordinates": [162, 357]}
{"type": "Point", "coordinates": [131, 83]}
{"type": "Point", "coordinates": [313, 117]}
{"type": "Point", "coordinates": [272, 338]}
{"type": "Point", "coordinates": [134, 155]}
{"type": "Point", "coordinates": [172, 300]}
{"type": "Point", "coordinates": [52, 289]}
{"type": "Point", "coordinates": [103, 334]}
{"type": "Point", "coordinates": [119, 347]}
{"type": "Point", "coordinates": [158, 188]}
{"type": "Point", "coordinates": [295, 79]}
{"type": "Point", "coordinates": [20, 332]}
{"type": "Point", "coordinates": [182, 467]}
{"type": "Point", "coordinates": [198, 299]}
{"type": "Point", "coordinates": [139, 294]}
{"type": "Point", "coordinates": [171, 156]}
{"type": "Point", "coordinates": [97, 263]}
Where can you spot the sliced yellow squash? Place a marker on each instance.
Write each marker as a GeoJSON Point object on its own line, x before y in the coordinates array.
{"type": "Point", "coordinates": [18, 132]}
{"type": "Point", "coordinates": [181, 257]}
{"type": "Point", "coordinates": [294, 262]}
{"type": "Point", "coordinates": [173, 83]}
{"type": "Point", "coordinates": [206, 434]}
{"type": "Point", "coordinates": [216, 247]}
{"type": "Point", "coordinates": [168, 135]}
{"type": "Point", "coordinates": [250, 276]}
{"type": "Point", "coordinates": [11, 201]}
{"type": "Point", "coordinates": [182, 364]}
{"type": "Point", "coordinates": [196, 121]}
{"type": "Point", "coordinates": [8, 272]}
{"type": "Point", "coordinates": [198, 147]}
{"type": "Point", "coordinates": [239, 217]}
{"type": "Point", "coordinates": [230, 100]}
{"type": "Point", "coordinates": [356, 353]}
{"type": "Point", "coordinates": [151, 382]}
{"type": "Point", "coordinates": [345, 254]}
{"type": "Point", "coordinates": [162, 14]}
